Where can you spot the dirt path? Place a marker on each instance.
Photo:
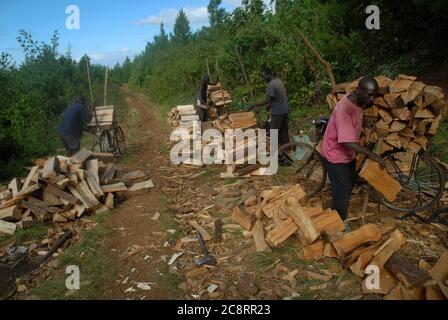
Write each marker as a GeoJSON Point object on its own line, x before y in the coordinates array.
{"type": "Point", "coordinates": [142, 247]}
{"type": "Point", "coordinates": [138, 242]}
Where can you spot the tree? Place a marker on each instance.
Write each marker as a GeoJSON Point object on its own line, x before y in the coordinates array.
{"type": "Point", "coordinates": [182, 26]}
{"type": "Point", "coordinates": [161, 40]}
{"type": "Point", "coordinates": [254, 7]}
{"type": "Point", "coordinates": [216, 14]}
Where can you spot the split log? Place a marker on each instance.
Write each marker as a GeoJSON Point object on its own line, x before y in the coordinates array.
{"type": "Point", "coordinates": [380, 180]}
{"type": "Point", "coordinates": [141, 185]}
{"type": "Point", "coordinates": [117, 187]}
{"type": "Point", "coordinates": [200, 229]}
{"type": "Point", "coordinates": [81, 156]}
{"type": "Point", "coordinates": [280, 234]}
{"type": "Point", "coordinates": [33, 177]}
{"type": "Point", "coordinates": [440, 270]}
{"type": "Point", "coordinates": [239, 215]}
{"type": "Point", "coordinates": [392, 245]}
{"type": "Point", "coordinates": [50, 168]}
{"type": "Point", "coordinates": [302, 221]}
{"type": "Point", "coordinates": [11, 214]}
{"type": "Point", "coordinates": [314, 251]}
{"type": "Point", "coordinates": [7, 228]}
{"type": "Point", "coordinates": [350, 241]}
{"type": "Point", "coordinates": [408, 273]}
{"type": "Point", "coordinates": [62, 194]}
{"type": "Point", "coordinates": [258, 235]}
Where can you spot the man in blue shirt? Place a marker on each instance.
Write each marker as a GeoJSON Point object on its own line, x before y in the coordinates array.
{"type": "Point", "coordinates": [74, 118]}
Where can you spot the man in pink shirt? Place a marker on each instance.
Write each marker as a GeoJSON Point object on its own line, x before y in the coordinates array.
{"type": "Point", "coordinates": [341, 143]}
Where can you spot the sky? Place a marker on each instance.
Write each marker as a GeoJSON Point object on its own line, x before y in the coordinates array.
{"type": "Point", "coordinates": [109, 30]}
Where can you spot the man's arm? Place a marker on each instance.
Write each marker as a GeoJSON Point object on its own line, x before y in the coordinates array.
{"type": "Point", "coordinates": [360, 149]}
{"type": "Point", "coordinates": [263, 103]}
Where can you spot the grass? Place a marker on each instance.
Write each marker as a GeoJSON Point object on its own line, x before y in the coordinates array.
{"type": "Point", "coordinates": [229, 181]}
{"type": "Point", "coordinates": [132, 138]}
{"type": "Point", "coordinates": [35, 233]}
{"type": "Point", "coordinates": [235, 233]}
{"type": "Point", "coordinates": [167, 222]}
{"type": "Point", "coordinates": [260, 261]}
{"type": "Point", "coordinates": [96, 267]}
{"type": "Point", "coordinates": [170, 282]}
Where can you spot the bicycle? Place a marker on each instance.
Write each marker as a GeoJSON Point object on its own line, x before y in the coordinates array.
{"type": "Point", "coordinates": [422, 180]}
{"type": "Point", "coordinates": [110, 136]}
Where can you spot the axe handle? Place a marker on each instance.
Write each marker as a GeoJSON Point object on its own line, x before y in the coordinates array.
{"type": "Point", "coordinates": [202, 244]}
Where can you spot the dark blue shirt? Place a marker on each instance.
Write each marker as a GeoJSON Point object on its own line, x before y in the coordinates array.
{"type": "Point", "coordinates": [73, 120]}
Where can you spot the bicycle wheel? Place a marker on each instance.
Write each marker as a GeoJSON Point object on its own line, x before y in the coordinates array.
{"type": "Point", "coordinates": [120, 142]}
{"type": "Point", "coordinates": [421, 179]}
{"type": "Point", "coordinates": [105, 142]}
{"type": "Point", "coordinates": [307, 167]}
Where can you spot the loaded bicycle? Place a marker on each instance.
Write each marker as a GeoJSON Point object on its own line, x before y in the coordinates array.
{"type": "Point", "coordinates": [104, 125]}
{"type": "Point", "coordinates": [421, 179]}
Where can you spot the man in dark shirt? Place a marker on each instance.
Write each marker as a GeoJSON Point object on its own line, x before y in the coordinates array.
{"type": "Point", "coordinates": [277, 101]}
{"type": "Point", "coordinates": [71, 127]}
{"type": "Point", "coordinates": [202, 99]}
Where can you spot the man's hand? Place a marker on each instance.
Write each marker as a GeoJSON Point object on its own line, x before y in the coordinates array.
{"type": "Point", "coordinates": [378, 159]}
{"type": "Point", "coordinates": [361, 149]}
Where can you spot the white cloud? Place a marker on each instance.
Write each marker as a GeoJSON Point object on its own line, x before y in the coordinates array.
{"type": "Point", "coordinates": [232, 4]}
{"type": "Point", "coordinates": [196, 15]}
{"type": "Point", "coordinates": [111, 58]}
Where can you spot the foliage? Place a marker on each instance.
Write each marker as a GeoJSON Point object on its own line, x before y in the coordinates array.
{"type": "Point", "coordinates": [181, 26]}
{"type": "Point", "coordinates": [34, 94]}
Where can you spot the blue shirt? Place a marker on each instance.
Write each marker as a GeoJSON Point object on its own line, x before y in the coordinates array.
{"type": "Point", "coordinates": [73, 120]}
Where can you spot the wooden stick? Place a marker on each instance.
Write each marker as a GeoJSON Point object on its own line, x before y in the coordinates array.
{"type": "Point", "coordinates": [91, 94]}
{"type": "Point", "coordinates": [364, 207]}
{"type": "Point", "coordinates": [319, 57]}
{"type": "Point", "coordinates": [105, 86]}
{"type": "Point", "coordinates": [243, 69]}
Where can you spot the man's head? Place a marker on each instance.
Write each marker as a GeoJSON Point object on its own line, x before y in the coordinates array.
{"type": "Point", "coordinates": [80, 99]}
{"type": "Point", "coordinates": [367, 89]}
{"type": "Point", "coordinates": [267, 74]}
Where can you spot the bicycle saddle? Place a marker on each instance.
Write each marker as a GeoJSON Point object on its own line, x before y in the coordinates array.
{"type": "Point", "coordinates": [321, 121]}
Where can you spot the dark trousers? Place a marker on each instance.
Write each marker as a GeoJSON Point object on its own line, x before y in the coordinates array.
{"type": "Point", "coordinates": [342, 178]}
{"type": "Point", "coordinates": [280, 122]}
{"type": "Point", "coordinates": [203, 114]}
{"type": "Point", "coordinates": [71, 144]}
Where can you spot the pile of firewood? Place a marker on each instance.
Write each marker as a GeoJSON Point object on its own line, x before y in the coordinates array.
{"type": "Point", "coordinates": [217, 96]}
{"type": "Point", "coordinates": [238, 120]}
{"type": "Point", "coordinates": [243, 121]}
{"type": "Point", "coordinates": [277, 215]}
{"type": "Point", "coordinates": [405, 115]}
{"type": "Point", "coordinates": [64, 189]}
{"type": "Point", "coordinates": [183, 116]}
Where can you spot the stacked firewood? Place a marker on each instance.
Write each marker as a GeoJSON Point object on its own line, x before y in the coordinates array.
{"type": "Point", "coordinates": [279, 214]}
{"type": "Point", "coordinates": [405, 115]}
{"type": "Point", "coordinates": [243, 121]}
{"type": "Point", "coordinates": [64, 189]}
{"type": "Point", "coordinates": [183, 116]}
{"type": "Point", "coordinates": [218, 96]}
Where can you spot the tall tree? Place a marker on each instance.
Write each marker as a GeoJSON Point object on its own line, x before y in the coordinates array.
{"type": "Point", "coordinates": [161, 40]}
{"type": "Point", "coordinates": [254, 7]}
{"type": "Point", "coordinates": [182, 26]}
{"type": "Point", "coordinates": [216, 14]}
